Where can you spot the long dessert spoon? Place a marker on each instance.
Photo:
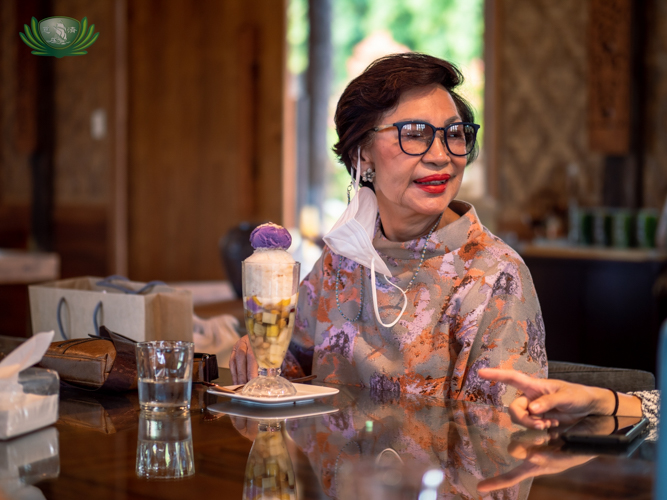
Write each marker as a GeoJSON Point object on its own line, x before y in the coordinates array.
{"type": "Point", "coordinates": [238, 388]}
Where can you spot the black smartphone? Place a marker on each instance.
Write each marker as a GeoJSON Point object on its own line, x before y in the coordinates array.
{"type": "Point", "coordinates": [605, 430]}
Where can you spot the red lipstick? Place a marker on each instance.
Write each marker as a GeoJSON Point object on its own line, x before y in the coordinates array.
{"type": "Point", "coordinates": [434, 184]}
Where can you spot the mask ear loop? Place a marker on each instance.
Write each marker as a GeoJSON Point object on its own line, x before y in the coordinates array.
{"type": "Point", "coordinates": [357, 174]}
{"type": "Point", "coordinates": [375, 298]}
{"type": "Point", "coordinates": [373, 284]}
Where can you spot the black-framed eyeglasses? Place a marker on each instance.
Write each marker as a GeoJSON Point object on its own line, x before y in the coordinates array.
{"type": "Point", "coordinates": [416, 138]}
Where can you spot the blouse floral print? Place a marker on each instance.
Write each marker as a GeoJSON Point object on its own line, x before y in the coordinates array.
{"type": "Point", "coordinates": [472, 305]}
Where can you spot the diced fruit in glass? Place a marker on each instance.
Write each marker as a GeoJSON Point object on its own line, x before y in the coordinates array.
{"type": "Point", "coordinates": [284, 336]}
{"type": "Point", "coordinates": [272, 330]}
{"type": "Point", "coordinates": [268, 483]}
{"type": "Point", "coordinates": [270, 318]}
{"type": "Point", "coordinates": [272, 469]}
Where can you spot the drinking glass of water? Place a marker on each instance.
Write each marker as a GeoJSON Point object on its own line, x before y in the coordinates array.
{"type": "Point", "coordinates": [164, 370]}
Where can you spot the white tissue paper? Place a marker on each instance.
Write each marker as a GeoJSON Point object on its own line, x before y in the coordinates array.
{"type": "Point", "coordinates": [216, 336]}
{"type": "Point", "coordinates": [28, 400]}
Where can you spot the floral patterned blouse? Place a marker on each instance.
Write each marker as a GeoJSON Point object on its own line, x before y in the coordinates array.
{"type": "Point", "coordinates": [472, 305]}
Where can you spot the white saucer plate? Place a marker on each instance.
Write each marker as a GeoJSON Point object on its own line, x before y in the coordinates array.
{"type": "Point", "coordinates": [235, 408]}
{"type": "Point", "coordinates": [304, 392]}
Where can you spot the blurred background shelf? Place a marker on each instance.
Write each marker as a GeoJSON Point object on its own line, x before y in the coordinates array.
{"type": "Point", "coordinates": [18, 269]}
{"type": "Point", "coordinates": [594, 253]}
{"type": "Point", "coordinates": [600, 306]}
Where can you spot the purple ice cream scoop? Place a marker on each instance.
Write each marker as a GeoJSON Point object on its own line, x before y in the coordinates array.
{"type": "Point", "coordinates": [270, 236]}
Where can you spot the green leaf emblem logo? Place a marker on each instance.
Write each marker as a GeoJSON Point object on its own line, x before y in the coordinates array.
{"type": "Point", "coordinates": [59, 36]}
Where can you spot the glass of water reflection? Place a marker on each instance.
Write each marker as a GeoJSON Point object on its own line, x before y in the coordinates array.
{"type": "Point", "coordinates": [164, 446]}
{"type": "Point", "coordinates": [164, 370]}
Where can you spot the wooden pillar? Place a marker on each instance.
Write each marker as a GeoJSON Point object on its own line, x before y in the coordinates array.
{"type": "Point", "coordinates": [118, 217]}
{"type": "Point", "coordinates": [38, 74]}
{"type": "Point", "coordinates": [319, 87]}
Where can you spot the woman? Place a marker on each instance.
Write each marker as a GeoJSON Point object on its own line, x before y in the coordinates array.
{"type": "Point", "coordinates": [454, 298]}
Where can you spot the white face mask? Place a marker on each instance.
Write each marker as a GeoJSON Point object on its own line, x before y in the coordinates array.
{"type": "Point", "coordinates": [352, 237]}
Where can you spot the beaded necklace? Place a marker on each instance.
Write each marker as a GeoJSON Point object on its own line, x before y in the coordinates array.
{"type": "Point", "coordinates": [361, 295]}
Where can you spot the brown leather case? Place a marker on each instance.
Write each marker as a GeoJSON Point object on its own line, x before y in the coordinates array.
{"type": "Point", "coordinates": [109, 362]}
{"type": "Point", "coordinates": [86, 362]}
{"type": "Point", "coordinates": [204, 367]}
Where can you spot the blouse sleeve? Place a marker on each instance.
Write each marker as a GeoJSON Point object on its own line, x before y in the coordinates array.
{"type": "Point", "coordinates": [499, 325]}
{"type": "Point", "coordinates": [651, 410]}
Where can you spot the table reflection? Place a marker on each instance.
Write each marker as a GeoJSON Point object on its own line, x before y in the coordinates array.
{"type": "Point", "coordinates": [164, 446]}
{"type": "Point", "coordinates": [27, 460]}
{"type": "Point", "coordinates": [269, 471]}
{"type": "Point", "coordinates": [468, 442]}
{"type": "Point", "coordinates": [377, 443]}
{"type": "Point", "coordinates": [356, 439]}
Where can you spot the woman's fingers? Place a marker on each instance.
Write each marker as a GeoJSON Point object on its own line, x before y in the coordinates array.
{"type": "Point", "coordinates": [515, 476]}
{"type": "Point", "coordinates": [564, 400]}
{"type": "Point", "coordinates": [520, 414]}
{"type": "Point", "coordinates": [251, 365]}
{"type": "Point", "coordinates": [238, 363]}
{"type": "Point", "coordinates": [512, 377]}
{"type": "Point", "coordinates": [242, 362]}
{"type": "Point", "coordinates": [232, 362]}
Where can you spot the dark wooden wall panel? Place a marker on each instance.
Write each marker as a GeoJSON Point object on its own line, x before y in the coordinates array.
{"type": "Point", "coordinates": [655, 167]}
{"type": "Point", "coordinates": [205, 118]}
{"type": "Point", "coordinates": [608, 82]}
{"type": "Point", "coordinates": [82, 164]}
{"type": "Point", "coordinates": [204, 132]}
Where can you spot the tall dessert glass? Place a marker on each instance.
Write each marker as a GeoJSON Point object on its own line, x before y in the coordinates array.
{"type": "Point", "coordinates": [270, 292]}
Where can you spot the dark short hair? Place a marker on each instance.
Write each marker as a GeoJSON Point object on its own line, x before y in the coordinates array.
{"type": "Point", "coordinates": [379, 88]}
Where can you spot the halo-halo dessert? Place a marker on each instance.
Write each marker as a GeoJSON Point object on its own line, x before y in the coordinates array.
{"type": "Point", "coordinates": [270, 291]}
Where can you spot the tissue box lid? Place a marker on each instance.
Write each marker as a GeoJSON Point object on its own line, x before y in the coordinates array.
{"type": "Point", "coordinates": [41, 381]}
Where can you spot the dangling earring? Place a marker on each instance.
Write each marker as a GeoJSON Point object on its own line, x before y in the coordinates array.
{"type": "Point", "coordinates": [368, 175]}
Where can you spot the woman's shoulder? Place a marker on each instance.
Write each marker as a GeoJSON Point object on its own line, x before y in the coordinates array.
{"type": "Point", "coordinates": [470, 240]}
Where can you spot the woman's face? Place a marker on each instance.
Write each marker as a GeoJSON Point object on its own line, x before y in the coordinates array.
{"type": "Point", "coordinates": [408, 187]}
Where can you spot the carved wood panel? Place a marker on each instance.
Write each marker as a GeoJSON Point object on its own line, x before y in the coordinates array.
{"type": "Point", "coordinates": [655, 144]}
{"type": "Point", "coordinates": [609, 65]}
{"type": "Point", "coordinates": [541, 107]}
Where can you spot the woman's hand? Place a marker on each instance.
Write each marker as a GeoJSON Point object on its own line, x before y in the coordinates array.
{"type": "Point", "coordinates": [247, 427]}
{"type": "Point", "coordinates": [547, 403]}
{"type": "Point", "coordinates": [539, 458]}
{"type": "Point", "coordinates": [242, 362]}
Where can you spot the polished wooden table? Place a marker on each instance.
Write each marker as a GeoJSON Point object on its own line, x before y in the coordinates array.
{"type": "Point", "coordinates": [358, 443]}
